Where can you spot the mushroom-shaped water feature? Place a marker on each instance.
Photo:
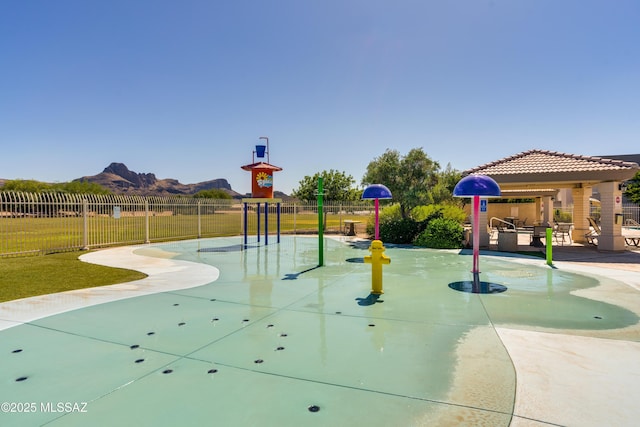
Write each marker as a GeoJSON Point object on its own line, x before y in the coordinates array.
{"type": "Point", "coordinates": [477, 186]}
{"type": "Point", "coordinates": [376, 192]}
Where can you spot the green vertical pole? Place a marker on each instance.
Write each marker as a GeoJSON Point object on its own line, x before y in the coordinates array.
{"type": "Point", "coordinates": [549, 246]}
{"type": "Point", "coordinates": [320, 227]}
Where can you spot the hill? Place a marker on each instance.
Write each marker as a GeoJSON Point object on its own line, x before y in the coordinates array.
{"type": "Point", "coordinates": [119, 179]}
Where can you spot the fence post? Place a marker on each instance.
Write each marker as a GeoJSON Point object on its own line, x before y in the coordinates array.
{"type": "Point", "coordinates": [199, 222]}
{"type": "Point", "coordinates": [294, 217]}
{"type": "Point", "coordinates": [85, 224]}
{"type": "Point", "coordinates": [146, 221]}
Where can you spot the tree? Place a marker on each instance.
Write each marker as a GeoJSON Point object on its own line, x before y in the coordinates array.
{"type": "Point", "coordinates": [442, 192]}
{"type": "Point", "coordinates": [80, 187]}
{"type": "Point", "coordinates": [337, 187]}
{"type": "Point", "coordinates": [213, 193]}
{"type": "Point", "coordinates": [25, 185]}
{"type": "Point", "coordinates": [73, 187]}
{"type": "Point", "coordinates": [410, 179]}
{"type": "Point", "coordinates": [633, 189]}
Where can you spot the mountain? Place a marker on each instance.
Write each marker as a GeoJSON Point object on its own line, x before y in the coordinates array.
{"type": "Point", "coordinates": [118, 178]}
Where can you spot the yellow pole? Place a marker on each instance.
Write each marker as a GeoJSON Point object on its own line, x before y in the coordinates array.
{"type": "Point", "coordinates": [376, 259]}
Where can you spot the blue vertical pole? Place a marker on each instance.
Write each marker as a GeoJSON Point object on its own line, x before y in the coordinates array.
{"type": "Point", "coordinates": [258, 210]}
{"type": "Point", "coordinates": [245, 224]}
{"type": "Point", "coordinates": [266, 223]}
{"type": "Point", "coordinates": [278, 220]}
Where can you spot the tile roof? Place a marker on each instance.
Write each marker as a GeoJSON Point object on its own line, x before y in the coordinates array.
{"type": "Point", "coordinates": [544, 162]}
{"type": "Point", "coordinates": [261, 165]}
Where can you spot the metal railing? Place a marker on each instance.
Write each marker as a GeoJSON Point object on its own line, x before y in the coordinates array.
{"type": "Point", "coordinates": [501, 223]}
{"type": "Point", "coordinates": [631, 212]}
{"type": "Point", "coordinates": [38, 223]}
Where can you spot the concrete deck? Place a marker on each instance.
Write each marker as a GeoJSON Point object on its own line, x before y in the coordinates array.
{"type": "Point", "coordinates": [578, 380]}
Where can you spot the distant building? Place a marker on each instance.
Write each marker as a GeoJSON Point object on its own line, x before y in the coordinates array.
{"type": "Point", "coordinates": [635, 158]}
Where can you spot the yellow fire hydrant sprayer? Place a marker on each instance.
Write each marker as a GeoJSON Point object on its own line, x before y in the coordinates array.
{"type": "Point", "coordinates": [376, 259]}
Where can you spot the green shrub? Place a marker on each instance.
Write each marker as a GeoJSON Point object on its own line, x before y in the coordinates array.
{"type": "Point", "coordinates": [441, 233]}
{"type": "Point", "coordinates": [389, 213]}
{"type": "Point", "coordinates": [455, 213]}
{"type": "Point", "coordinates": [395, 229]}
{"type": "Point", "coordinates": [429, 212]}
{"type": "Point", "coordinates": [386, 214]}
{"type": "Point", "coordinates": [560, 216]}
{"type": "Point", "coordinates": [400, 231]}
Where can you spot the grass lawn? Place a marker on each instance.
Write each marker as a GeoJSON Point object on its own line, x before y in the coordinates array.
{"type": "Point", "coordinates": [46, 274]}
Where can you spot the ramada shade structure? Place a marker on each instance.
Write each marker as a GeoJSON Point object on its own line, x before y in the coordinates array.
{"type": "Point", "coordinates": [539, 173]}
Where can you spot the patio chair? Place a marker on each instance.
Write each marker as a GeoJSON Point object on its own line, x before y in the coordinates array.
{"type": "Point", "coordinates": [632, 241]}
{"type": "Point", "coordinates": [594, 232]}
{"type": "Point", "coordinates": [521, 223]}
{"type": "Point", "coordinates": [561, 230]}
{"type": "Point", "coordinates": [493, 234]}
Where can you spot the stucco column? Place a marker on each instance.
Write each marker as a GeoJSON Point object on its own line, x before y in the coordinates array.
{"type": "Point", "coordinates": [538, 210]}
{"type": "Point", "coordinates": [547, 214]}
{"type": "Point", "coordinates": [611, 203]}
{"type": "Point", "coordinates": [581, 210]}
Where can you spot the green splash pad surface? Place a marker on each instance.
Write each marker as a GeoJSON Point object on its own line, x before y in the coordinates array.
{"type": "Point", "coordinates": [274, 338]}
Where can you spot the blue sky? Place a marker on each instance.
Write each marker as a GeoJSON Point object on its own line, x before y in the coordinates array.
{"type": "Point", "coordinates": [184, 89]}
